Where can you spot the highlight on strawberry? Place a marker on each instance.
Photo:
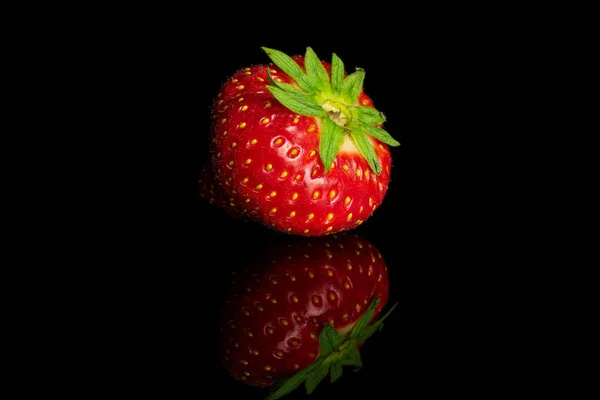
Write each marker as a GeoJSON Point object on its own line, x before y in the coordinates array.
{"type": "Point", "coordinates": [300, 312]}
{"type": "Point", "coordinates": [298, 146]}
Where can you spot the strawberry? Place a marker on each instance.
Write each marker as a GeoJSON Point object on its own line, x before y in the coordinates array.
{"type": "Point", "coordinates": [302, 310]}
{"type": "Point", "coordinates": [299, 147]}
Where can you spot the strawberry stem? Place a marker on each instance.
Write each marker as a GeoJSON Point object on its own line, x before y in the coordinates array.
{"type": "Point", "coordinates": [336, 351]}
{"type": "Point", "coordinates": [330, 98]}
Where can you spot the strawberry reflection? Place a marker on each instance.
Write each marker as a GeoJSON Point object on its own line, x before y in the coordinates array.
{"type": "Point", "coordinates": [301, 309]}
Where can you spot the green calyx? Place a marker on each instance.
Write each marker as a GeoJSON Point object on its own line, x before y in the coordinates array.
{"type": "Point", "coordinates": [333, 98]}
{"type": "Point", "coordinates": [336, 352]}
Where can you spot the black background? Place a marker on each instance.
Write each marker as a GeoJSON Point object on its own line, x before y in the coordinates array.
{"type": "Point", "coordinates": [442, 88]}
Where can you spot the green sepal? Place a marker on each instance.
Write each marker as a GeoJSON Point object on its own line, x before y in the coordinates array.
{"type": "Point", "coordinates": [337, 74]}
{"type": "Point", "coordinates": [282, 85]}
{"type": "Point", "coordinates": [316, 72]}
{"type": "Point", "coordinates": [369, 115]}
{"type": "Point", "coordinates": [335, 372]}
{"type": "Point", "coordinates": [294, 381]}
{"type": "Point", "coordinates": [314, 378]}
{"type": "Point", "coordinates": [360, 140]}
{"type": "Point", "coordinates": [329, 340]}
{"type": "Point", "coordinates": [301, 103]}
{"type": "Point", "coordinates": [351, 358]}
{"type": "Point", "coordinates": [332, 137]}
{"type": "Point", "coordinates": [290, 67]}
{"type": "Point", "coordinates": [369, 331]}
{"type": "Point", "coordinates": [352, 85]}
{"type": "Point", "coordinates": [380, 134]}
{"type": "Point", "coordinates": [365, 319]}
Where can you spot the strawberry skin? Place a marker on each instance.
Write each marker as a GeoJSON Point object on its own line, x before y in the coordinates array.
{"type": "Point", "coordinates": [270, 159]}
{"type": "Point", "coordinates": [279, 305]}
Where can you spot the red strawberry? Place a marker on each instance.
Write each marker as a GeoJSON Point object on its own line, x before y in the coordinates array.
{"type": "Point", "coordinates": [298, 145]}
{"type": "Point", "coordinates": [302, 310]}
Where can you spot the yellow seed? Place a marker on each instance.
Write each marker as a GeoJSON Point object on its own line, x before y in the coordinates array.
{"type": "Point", "coordinates": [345, 168]}
{"type": "Point", "coordinates": [279, 353]}
{"type": "Point", "coordinates": [272, 194]}
{"type": "Point", "coordinates": [224, 120]}
{"type": "Point", "coordinates": [305, 231]}
{"type": "Point", "coordinates": [312, 335]}
{"type": "Point", "coordinates": [357, 307]}
{"type": "Point", "coordinates": [292, 214]}
{"type": "Point", "coordinates": [329, 229]}
{"type": "Point", "coordinates": [294, 196]}
{"type": "Point", "coordinates": [292, 278]}
{"type": "Point", "coordinates": [367, 174]}
{"type": "Point", "coordinates": [225, 133]}
{"type": "Point", "coordinates": [361, 209]}
{"type": "Point", "coordinates": [268, 167]}
{"type": "Point", "coordinates": [283, 174]}
{"type": "Point", "coordinates": [268, 104]}
{"type": "Point", "coordinates": [244, 362]}
{"type": "Point", "coordinates": [331, 296]}
{"type": "Point", "coordinates": [346, 285]}
{"type": "Point", "coordinates": [234, 80]}
{"type": "Point", "coordinates": [220, 102]}
{"type": "Point", "coordinates": [293, 152]}
{"type": "Point", "coordinates": [240, 87]}
{"type": "Point", "coordinates": [246, 313]}
{"type": "Point", "coordinates": [273, 300]}
{"type": "Point", "coordinates": [284, 322]}
{"type": "Point", "coordinates": [349, 266]}
{"type": "Point", "coordinates": [311, 216]}
{"type": "Point", "coordinates": [310, 274]}
{"type": "Point", "coordinates": [233, 144]}
{"type": "Point", "coordinates": [248, 161]}
{"type": "Point", "coordinates": [311, 153]}
{"type": "Point", "coordinates": [298, 177]}
{"type": "Point", "coordinates": [253, 141]}
{"type": "Point", "coordinates": [243, 125]}
{"type": "Point", "coordinates": [329, 272]}
{"type": "Point", "coordinates": [329, 216]}
{"type": "Point", "coordinates": [249, 334]}
{"type": "Point", "coordinates": [278, 141]}
{"type": "Point", "coordinates": [265, 121]}
{"type": "Point", "coordinates": [295, 299]}
{"type": "Point", "coordinates": [244, 180]}
{"type": "Point", "coordinates": [288, 230]}
{"type": "Point", "coordinates": [380, 186]}
{"type": "Point", "coordinates": [259, 308]}
{"type": "Point", "coordinates": [347, 200]}
{"type": "Point", "coordinates": [274, 282]}
{"type": "Point", "coordinates": [273, 210]}
{"type": "Point", "coordinates": [244, 108]}
{"type": "Point", "coordinates": [296, 119]}
{"type": "Point", "coordinates": [358, 173]}
{"type": "Point", "coordinates": [230, 163]}
{"type": "Point", "coordinates": [345, 316]}
{"type": "Point", "coordinates": [311, 128]}
{"type": "Point", "coordinates": [267, 368]}
{"type": "Point", "coordinates": [315, 299]}
{"type": "Point", "coordinates": [270, 331]}
{"type": "Point", "coordinates": [247, 373]}
{"type": "Point", "coordinates": [259, 186]}
{"type": "Point", "coordinates": [316, 194]}
{"type": "Point", "coordinates": [296, 366]}
{"type": "Point", "coordinates": [294, 342]}
{"type": "Point", "coordinates": [349, 216]}
{"type": "Point", "coordinates": [297, 318]}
